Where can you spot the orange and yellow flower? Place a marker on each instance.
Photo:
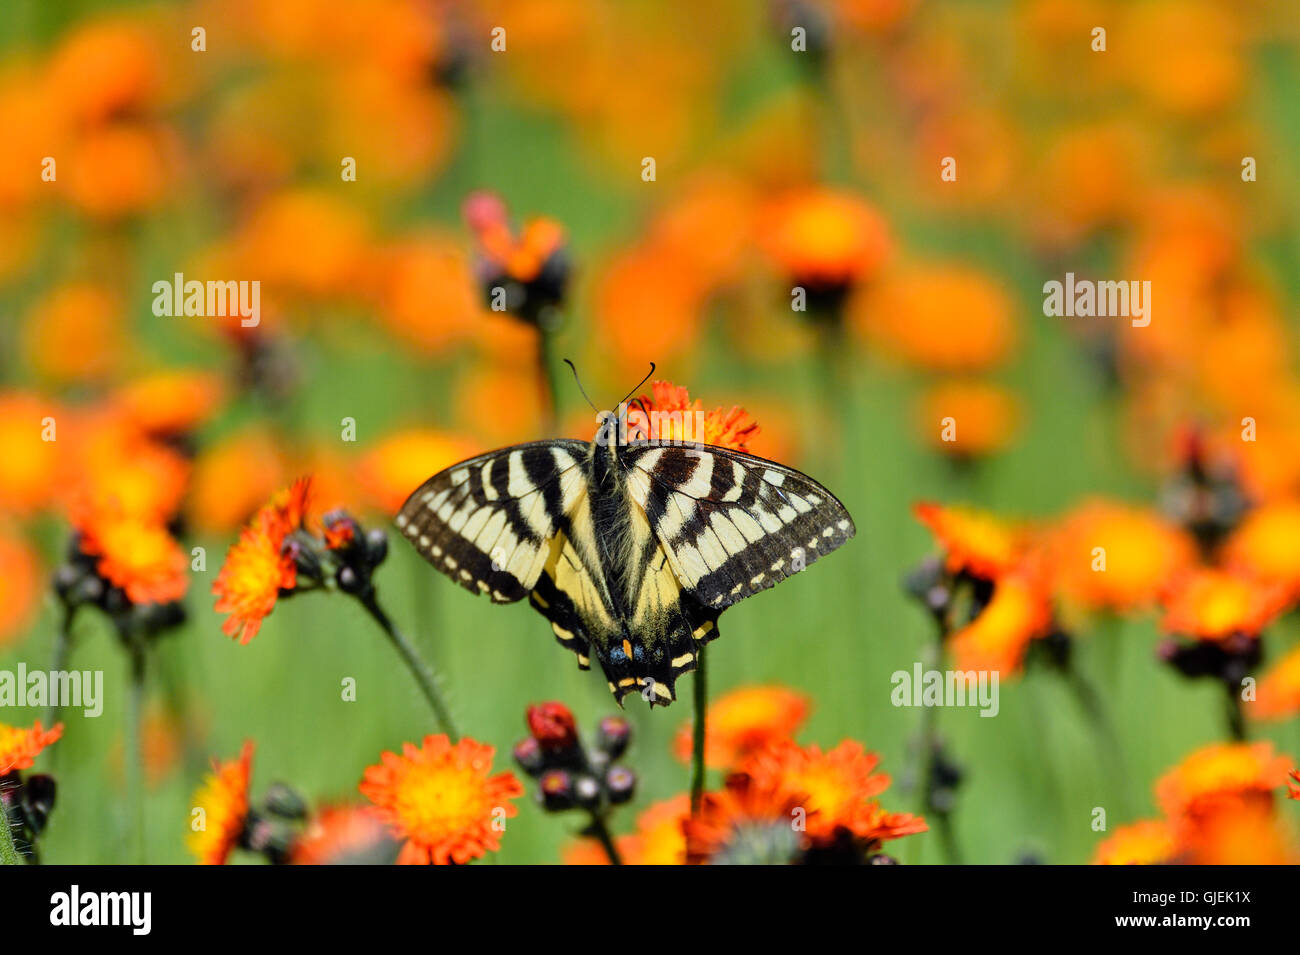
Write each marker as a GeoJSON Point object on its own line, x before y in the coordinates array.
{"type": "Point", "coordinates": [223, 797]}
{"type": "Point", "coordinates": [973, 541]}
{"type": "Point", "coordinates": [441, 800]}
{"type": "Point", "coordinates": [256, 570]}
{"type": "Point", "coordinates": [743, 720]}
{"type": "Point", "coordinates": [400, 462]}
{"type": "Point", "coordinates": [1264, 544]}
{"type": "Point", "coordinates": [20, 585]}
{"type": "Point", "coordinates": [747, 814]}
{"type": "Point", "coordinates": [337, 834]}
{"type": "Point", "coordinates": [20, 747]}
{"type": "Point", "coordinates": [839, 783]}
{"type": "Point", "coordinates": [823, 237]}
{"type": "Point", "coordinates": [659, 838]}
{"type": "Point", "coordinates": [1212, 604]}
{"type": "Point", "coordinates": [984, 418]}
{"type": "Point", "coordinates": [673, 416]}
{"type": "Point", "coordinates": [136, 554]}
{"type": "Point", "coordinates": [1217, 771]}
{"type": "Point", "coordinates": [1278, 693]}
{"type": "Point", "coordinates": [1149, 842]}
{"type": "Point", "coordinates": [1019, 612]}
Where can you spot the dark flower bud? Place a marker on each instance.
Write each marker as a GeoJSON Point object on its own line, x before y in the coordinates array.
{"type": "Point", "coordinates": [882, 859]}
{"type": "Point", "coordinates": [553, 727]}
{"type": "Point", "coordinates": [349, 580]}
{"type": "Point", "coordinates": [284, 802]}
{"type": "Point", "coordinates": [528, 754]}
{"type": "Point", "coordinates": [612, 735]}
{"type": "Point", "coordinates": [298, 548]}
{"type": "Point", "coordinates": [341, 530]}
{"type": "Point", "coordinates": [620, 783]}
{"type": "Point", "coordinates": [376, 546]}
{"type": "Point", "coordinates": [556, 790]}
{"type": "Point", "coordinates": [586, 791]}
{"type": "Point", "coordinates": [38, 796]}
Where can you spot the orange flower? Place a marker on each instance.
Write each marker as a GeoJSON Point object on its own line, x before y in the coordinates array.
{"type": "Point", "coordinates": [428, 293]}
{"type": "Point", "coordinates": [520, 257]}
{"type": "Point", "coordinates": [672, 416]}
{"type": "Point", "coordinates": [649, 307]}
{"type": "Point", "coordinates": [308, 243]}
{"type": "Point", "coordinates": [256, 571]}
{"type": "Point", "coordinates": [1278, 694]}
{"type": "Point", "coordinates": [1220, 770]}
{"type": "Point", "coordinates": [232, 477]}
{"type": "Point", "coordinates": [659, 838]}
{"type": "Point", "coordinates": [339, 835]}
{"type": "Point", "coordinates": [1210, 604]}
{"type": "Point", "coordinates": [748, 821]}
{"type": "Point", "coordinates": [170, 403]}
{"type": "Point", "coordinates": [1139, 551]}
{"type": "Point", "coordinates": [839, 785]}
{"type": "Point", "coordinates": [941, 317]}
{"type": "Point", "coordinates": [973, 541]}
{"type": "Point", "coordinates": [136, 554]}
{"type": "Point", "coordinates": [75, 333]}
{"type": "Point", "coordinates": [223, 797]}
{"type": "Point", "coordinates": [743, 720]}
{"type": "Point", "coordinates": [30, 466]}
{"type": "Point", "coordinates": [1019, 611]}
{"type": "Point", "coordinates": [1293, 785]}
{"type": "Point", "coordinates": [1263, 545]}
{"type": "Point", "coordinates": [20, 586]}
{"type": "Point", "coordinates": [824, 238]}
{"type": "Point", "coordinates": [104, 69]}
{"type": "Point", "coordinates": [1149, 842]}
{"type": "Point", "coordinates": [1238, 830]}
{"type": "Point", "coordinates": [984, 417]}
{"type": "Point", "coordinates": [19, 747]}
{"type": "Point", "coordinates": [400, 462]}
{"type": "Point", "coordinates": [120, 169]}
{"type": "Point", "coordinates": [441, 800]}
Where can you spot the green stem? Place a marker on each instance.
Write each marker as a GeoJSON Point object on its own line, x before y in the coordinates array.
{"type": "Point", "coordinates": [421, 670]}
{"type": "Point", "coordinates": [135, 749]}
{"type": "Point", "coordinates": [546, 378]}
{"type": "Point", "coordinates": [8, 851]}
{"type": "Point", "coordinates": [601, 832]}
{"type": "Point", "coordinates": [62, 653]}
{"type": "Point", "coordinates": [701, 694]}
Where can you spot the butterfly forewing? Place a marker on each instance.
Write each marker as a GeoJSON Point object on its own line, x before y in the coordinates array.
{"type": "Point", "coordinates": [731, 523]}
{"type": "Point", "coordinates": [488, 523]}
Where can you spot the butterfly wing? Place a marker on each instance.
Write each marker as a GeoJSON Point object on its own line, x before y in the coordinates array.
{"type": "Point", "coordinates": [731, 523]}
{"type": "Point", "coordinates": [489, 523]}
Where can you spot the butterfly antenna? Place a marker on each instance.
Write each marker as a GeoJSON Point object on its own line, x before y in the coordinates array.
{"type": "Point", "coordinates": [643, 381]}
{"type": "Point", "coordinates": [574, 369]}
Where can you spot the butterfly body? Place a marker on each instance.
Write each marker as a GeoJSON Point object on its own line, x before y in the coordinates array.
{"type": "Point", "coordinates": [631, 551]}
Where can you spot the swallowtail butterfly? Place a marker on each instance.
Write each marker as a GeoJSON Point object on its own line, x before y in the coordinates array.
{"type": "Point", "coordinates": [631, 551]}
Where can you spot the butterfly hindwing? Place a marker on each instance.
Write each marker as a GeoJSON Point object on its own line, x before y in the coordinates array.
{"type": "Point", "coordinates": [731, 523]}
{"type": "Point", "coordinates": [489, 523]}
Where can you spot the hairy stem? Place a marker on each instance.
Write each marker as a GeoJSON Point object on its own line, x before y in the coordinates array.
{"type": "Point", "coordinates": [421, 670]}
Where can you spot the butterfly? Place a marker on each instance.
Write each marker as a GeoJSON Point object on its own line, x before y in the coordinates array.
{"type": "Point", "coordinates": [631, 549]}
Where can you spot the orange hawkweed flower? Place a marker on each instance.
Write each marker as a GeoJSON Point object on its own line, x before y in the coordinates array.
{"type": "Point", "coordinates": [940, 317]}
{"type": "Point", "coordinates": [223, 797]}
{"type": "Point", "coordinates": [1149, 842]}
{"type": "Point", "coordinates": [441, 800]}
{"type": "Point", "coordinates": [1114, 556]}
{"type": "Point", "coordinates": [984, 416]}
{"type": "Point", "coordinates": [1278, 693]}
{"type": "Point", "coordinates": [337, 835]}
{"type": "Point", "coordinates": [232, 477]}
{"type": "Point", "coordinates": [256, 570]}
{"type": "Point", "coordinates": [1293, 785]}
{"type": "Point", "coordinates": [30, 466]}
{"type": "Point", "coordinates": [1263, 545]}
{"type": "Point", "coordinates": [747, 821]}
{"type": "Point", "coordinates": [1211, 604]}
{"type": "Point", "coordinates": [170, 403]}
{"type": "Point", "coordinates": [1217, 771]}
{"type": "Point", "coordinates": [520, 257]}
{"type": "Point", "coordinates": [973, 541]}
{"type": "Point", "coordinates": [742, 721]}
{"type": "Point", "coordinates": [136, 554]}
{"type": "Point", "coordinates": [76, 334]}
{"type": "Point", "coordinates": [839, 784]}
{"type": "Point", "coordinates": [673, 416]}
{"type": "Point", "coordinates": [19, 747]}
{"type": "Point", "coordinates": [659, 838]}
{"type": "Point", "coordinates": [428, 293]}
{"type": "Point", "coordinates": [1019, 611]}
{"type": "Point", "coordinates": [824, 238]}
{"type": "Point", "coordinates": [20, 585]}
{"type": "Point", "coordinates": [398, 463]}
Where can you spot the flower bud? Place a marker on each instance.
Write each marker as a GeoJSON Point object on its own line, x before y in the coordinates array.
{"type": "Point", "coordinates": [528, 754]}
{"type": "Point", "coordinates": [556, 789]}
{"type": "Point", "coordinates": [612, 735]}
{"type": "Point", "coordinates": [620, 783]}
{"type": "Point", "coordinates": [553, 727]}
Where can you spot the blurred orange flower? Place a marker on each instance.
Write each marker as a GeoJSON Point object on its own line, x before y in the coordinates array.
{"type": "Point", "coordinates": [440, 798]}
{"type": "Point", "coordinates": [137, 554]}
{"type": "Point", "coordinates": [1211, 604]}
{"type": "Point", "coordinates": [1019, 611]}
{"type": "Point", "coordinates": [223, 797]}
{"type": "Point", "coordinates": [1139, 551]}
{"type": "Point", "coordinates": [741, 721]}
{"type": "Point", "coordinates": [120, 169]}
{"type": "Point", "coordinates": [105, 69]}
{"type": "Point", "coordinates": [339, 835]}
{"type": "Point", "coordinates": [75, 333]}
{"type": "Point", "coordinates": [1264, 545]}
{"type": "Point", "coordinates": [1149, 842]}
{"type": "Point", "coordinates": [172, 403]}
{"type": "Point", "coordinates": [20, 585]}
{"type": "Point", "coordinates": [973, 541]}
{"type": "Point", "coordinates": [824, 238]}
{"type": "Point", "coordinates": [428, 292]}
{"type": "Point", "coordinates": [400, 462]}
{"type": "Point", "coordinates": [985, 417]}
{"type": "Point", "coordinates": [659, 838]}
{"type": "Point", "coordinates": [1278, 693]}
{"type": "Point", "coordinates": [1219, 770]}
{"type": "Point", "coordinates": [942, 317]}
{"type": "Point", "coordinates": [30, 467]}
{"type": "Point", "coordinates": [232, 477]}
{"type": "Point", "coordinates": [19, 748]}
